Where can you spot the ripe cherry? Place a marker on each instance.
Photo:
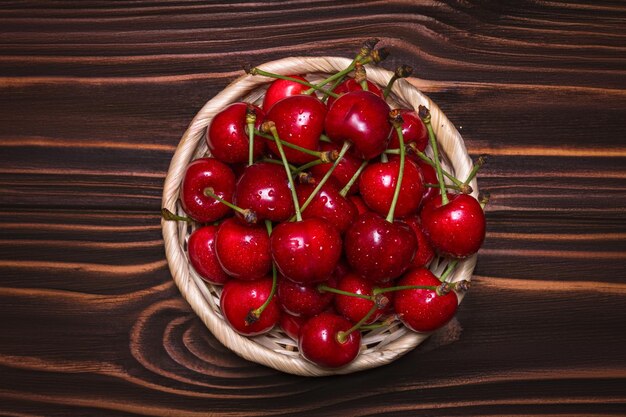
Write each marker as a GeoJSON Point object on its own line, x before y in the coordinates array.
{"type": "Point", "coordinates": [413, 130]}
{"type": "Point", "coordinates": [430, 177]}
{"type": "Point", "coordinates": [350, 84]}
{"type": "Point", "coordinates": [328, 204]}
{"type": "Point", "coordinates": [377, 185]}
{"type": "Point", "coordinates": [346, 168]}
{"type": "Point", "coordinates": [291, 324]}
{"type": "Point", "coordinates": [201, 251]}
{"type": "Point", "coordinates": [306, 251]}
{"type": "Point", "coordinates": [264, 188]}
{"type": "Point", "coordinates": [422, 310]}
{"type": "Point", "coordinates": [425, 252]}
{"type": "Point", "coordinates": [227, 137]}
{"type": "Point", "coordinates": [456, 229]}
{"type": "Point", "coordinates": [320, 341]}
{"type": "Point", "coordinates": [355, 308]}
{"type": "Point", "coordinates": [303, 300]}
{"type": "Point", "coordinates": [201, 174]}
{"type": "Point", "coordinates": [243, 251]}
{"type": "Point", "coordinates": [299, 120]}
{"type": "Point", "coordinates": [240, 298]}
{"type": "Point", "coordinates": [359, 204]}
{"type": "Point", "coordinates": [361, 118]}
{"type": "Point", "coordinates": [279, 89]}
{"type": "Point", "coordinates": [377, 249]}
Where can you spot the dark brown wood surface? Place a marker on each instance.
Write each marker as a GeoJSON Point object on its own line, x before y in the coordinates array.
{"type": "Point", "coordinates": [94, 97]}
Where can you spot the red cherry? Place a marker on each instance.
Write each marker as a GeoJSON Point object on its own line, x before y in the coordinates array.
{"type": "Point", "coordinates": [299, 120]}
{"type": "Point", "coordinates": [306, 251]}
{"type": "Point", "coordinates": [201, 174]}
{"type": "Point", "coordinates": [291, 324]}
{"type": "Point", "coordinates": [328, 204]}
{"type": "Point", "coordinates": [456, 229]}
{"type": "Point", "coordinates": [413, 130]}
{"type": "Point", "coordinates": [243, 251]}
{"type": "Point", "coordinates": [377, 249]}
{"type": "Point", "coordinates": [318, 341]}
{"type": "Point", "coordinates": [361, 118]}
{"type": "Point", "coordinates": [201, 251]}
{"type": "Point", "coordinates": [240, 298]}
{"type": "Point", "coordinates": [349, 85]}
{"type": "Point", "coordinates": [264, 188]}
{"type": "Point", "coordinates": [430, 177]}
{"type": "Point", "coordinates": [227, 136]}
{"type": "Point", "coordinates": [280, 89]}
{"type": "Point", "coordinates": [303, 300]}
{"type": "Point", "coordinates": [359, 204]}
{"type": "Point", "coordinates": [423, 310]}
{"type": "Point", "coordinates": [345, 169]}
{"type": "Point", "coordinates": [425, 252]}
{"type": "Point", "coordinates": [378, 184]}
{"type": "Point", "coordinates": [355, 308]}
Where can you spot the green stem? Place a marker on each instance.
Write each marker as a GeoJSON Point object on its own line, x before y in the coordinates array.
{"type": "Point", "coordinates": [281, 151]}
{"type": "Point", "coordinates": [168, 215]}
{"type": "Point", "coordinates": [343, 336]}
{"type": "Point", "coordinates": [258, 71]}
{"type": "Point", "coordinates": [396, 193]}
{"type": "Point", "coordinates": [430, 162]}
{"type": "Point", "coordinates": [448, 270]}
{"type": "Point", "coordinates": [404, 287]}
{"type": "Point", "coordinates": [326, 288]}
{"type": "Point", "coordinates": [389, 85]}
{"type": "Point", "coordinates": [324, 138]}
{"type": "Point", "coordinates": [250, 121]}
{"type": "Point", "coordinates": [307, 166]}
{"type": "Point", "coordinates": [477, 165]}
{"type": "Point", "coordinates": [465, 190]}
{"type": "Point", "coordinates": [289, 145]}
{"type": "Point", "coordinates": [344, 191]}
{"type": "Point", "coordinates": [257, 312]}
{"type": "Point", "coordinates": [425, 116]}
{"type": "Point", "coordinates": [338, 75]}
{"type": "Point", "coordinates": [277, 162]}
{"type": "Point", "coordinates": [248, 215]}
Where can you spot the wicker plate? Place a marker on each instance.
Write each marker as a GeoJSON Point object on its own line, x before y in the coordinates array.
{"type": "Point", "coordinates": [276, 349]}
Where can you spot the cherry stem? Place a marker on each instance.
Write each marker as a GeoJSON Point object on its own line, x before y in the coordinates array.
{"type": "Point", "coordinates": [463, 189]}
{"type": "Point", "coordinates": [168, 215]}
{"type": "Point", "coordinates": [308, 165]}
{"type": "Point", "coordinates": [384, 159]}
{"type": "Point", "coordinates": [402, 71]}
{"type": "Point", "coordinates": [430, 162]}
{"type": "Point", "coordinates": [343, 336]}
{"type": "Point", "coordinates": [404, 287]}
{"type": "Point", "coordinates": [269, 125]}
{"type": "Point", "coordinates": [257, 312]}
{"type": "Point", "coordinates": [477, 165]}
{"type": "Point", "coordinates": [324, 138]}
{"type": "Point", "coordinates": [396, 121]}
{"type": "Point", "coordinates": [248, 215]}
{"type": "Point", "coordinates": [326, 288]}
{"type": "Point", "coordinates": [360, 76]}
{"type": "Point", "coordinates": [318, 187]}
{"type": "Point", "coordinates": [448, 270]}
{"type": "Point", "coordinates": [277, 162]}
{"type": "Point", "coordinates": [314, 87]}
{"type": "Point", "coordinates": [483, 199]}
{"type": "Point", "coordinates": [424, 114]}
{"type": "Point", "coordinates": [290, 145]}
{"type": "Point", "coordinates": [250, 121]}
{"type": "Point", "coordinates": [344, 191]}
{"type": "Point", "coordinates": [339, 75]}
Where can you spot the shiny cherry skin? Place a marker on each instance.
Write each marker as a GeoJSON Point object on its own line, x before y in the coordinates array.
{"type": "Point", "coordinates": [425, 252]}
{"type": "Point", "coordinates": [360, 117]}
{"type": "Point", "coordinates": [318, 342]}
{"type": "Point", "coordinates": [201, 252]}
{"type": "Point", "coordinates": [304, 300]}
{"type": "Point", "coordinates": [291, 324]}
{"type": "Point", "coordinates": [239, 298]}
{"type": "Point", "coordinates": [423, 310]}
{"type": "Point", "coordinates": [360, 205]}
{"type": "Point", "coordinates": [328, 204]}
{"type": "Point", "coordinates": [201, 174]}
{"type": "Point", "coordinates": [355, 308]}
{"type": "Point", "coordinates": [430, 177]}
{"type": "Point", "coordinates": [264, 188]}
{"type": "Point", "coordinates": [299, 120]}
{"type": "Point", "coordinates": [413, 130]}
{"type": "Point", "coordinates": [377, 185]}
{"type": "Point", "coordinates": [349, 84]}
{"type": "Point", "coordinates": [345, 170]}
{"type": "Point", "coordinates": [377, 249]}
{"type": "Point", "coordinates": [243, 251]}
{"type": "Point", "coordinates": [227, 136]}
{"type": "Point", "coordinates": [307, 251]}
{"type": "Point", "coordinates": [279, 89]}
{"type": "Point", "coordinates": [456, 229]}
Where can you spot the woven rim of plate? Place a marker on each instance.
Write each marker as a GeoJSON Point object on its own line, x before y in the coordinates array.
{"type": "Point", "coordinates": [275, 349]}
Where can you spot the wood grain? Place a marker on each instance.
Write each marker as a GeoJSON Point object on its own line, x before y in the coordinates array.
{"type": "Point", "coordinates": [94, 97]}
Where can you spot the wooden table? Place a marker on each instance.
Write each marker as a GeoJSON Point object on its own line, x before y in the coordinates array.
{"type": "Point", "coordinates": [94, 97]}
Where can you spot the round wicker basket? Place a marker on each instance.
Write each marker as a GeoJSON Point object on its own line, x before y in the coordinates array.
{"type": "Point", "coordinates": [276, 349]}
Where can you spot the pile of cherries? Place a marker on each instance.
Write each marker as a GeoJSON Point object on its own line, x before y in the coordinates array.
{"type": "Point", "coordinates": [320, 211]}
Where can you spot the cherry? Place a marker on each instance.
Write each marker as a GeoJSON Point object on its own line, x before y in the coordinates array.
{"type": "Point", "coordinates": [423, 310]}
{"type": "Point", "coordinates": [280, 89]}
{"type": "Point", "coordinates": [239, 300]}
{"type": "Point", "coordinates": [264, 188]}
{"type": "Point", "coordinates": [299, 120]}
{"type": "Point", "coordinates": [291, 324]}
{"type": "Point", "coordinates": [303, 300]}
{"type": "Point", "coordinates": [201, 251]}
{"type": "Point", "coordinates": [377, 249]}
{"type": "Point", "coordinates": [425, 252]}
{"type": "Point", "coordinates": [322, 340]}
{"type": "Point", "coordinates": [243, 251]}
{"type": "Point", "coordinates": [378, 184]}
{"type": "Point", "coordinates": [350, 84]}
{"type": "Point", "coordinates": [227, 137]}
{"type": "Point", "coordinates": [347, 167]}
{"type": "Point", "coordinates": [413, 129]}
{"type": "Point", "coordinates": [361, 118]}
{"type": "Point", "coordinates": [456, 229]}
{"type": "Point", "coordinates": [306, 251]}
{"type": "Point", "coordinates": [356, 308]}
{"type": "Point", "coordinates": [201, 174]}
{"type": "Point", "coordinates": [328, 204]}
{"type": "Point", "coordinates": [430, 177]}
{"type": "Point", "coordinates": [359, 204]}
